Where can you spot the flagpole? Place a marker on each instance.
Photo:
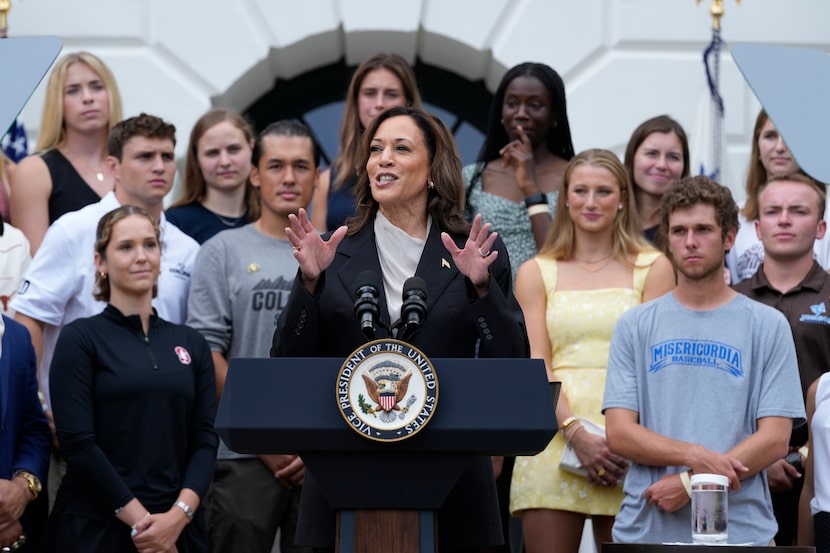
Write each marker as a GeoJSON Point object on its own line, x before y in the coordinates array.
{"type": "Point", "coordinates": [716, 10]}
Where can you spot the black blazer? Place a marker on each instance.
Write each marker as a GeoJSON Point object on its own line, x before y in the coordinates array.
{"type": "Point", "coordinates": [456, 323]}
{"type": "Point", "coordinates": [324, 325]}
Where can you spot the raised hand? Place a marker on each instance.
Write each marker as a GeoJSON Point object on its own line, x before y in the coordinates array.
{"type": "Point", "coordinates": [310, 250]}
{"type": "Point", "coordinates": [519, 155]}
{"type": "Point", "coordinates": [474, 260]}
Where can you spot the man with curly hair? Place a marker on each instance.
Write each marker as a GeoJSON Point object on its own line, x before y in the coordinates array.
{"type": "Point", "coordinates": [701, 380]}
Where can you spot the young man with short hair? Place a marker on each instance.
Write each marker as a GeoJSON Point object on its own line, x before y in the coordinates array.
{"type": "Point", "coordinates": [701, 380]}
{"type": "Point", "coordinates": [57, 287]}
{"type": "Point", "coordinates": [241, 283]}
{"type": "Point", "coordinates": [790, 209]}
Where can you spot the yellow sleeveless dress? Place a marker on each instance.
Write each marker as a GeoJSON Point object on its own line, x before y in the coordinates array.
{"type": "Point", "coordinates": [580, 324]}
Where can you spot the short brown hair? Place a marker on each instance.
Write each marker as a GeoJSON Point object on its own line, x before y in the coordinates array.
{"type": "Point", "coordinates": [691, 191]}
{"type": "Point", "coordinates": [147, 126]}
{"type": "Point", "coordinates": [820, 189]}
{"type": "Point", "coordinates": [103, 235]}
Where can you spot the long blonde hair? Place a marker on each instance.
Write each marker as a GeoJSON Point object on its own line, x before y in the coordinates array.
{"type": "Point", "coordinates": [52, 126]}
{"type": "Point", "coordinates": [627, 238]}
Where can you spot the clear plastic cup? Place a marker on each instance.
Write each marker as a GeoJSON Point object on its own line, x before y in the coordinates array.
{"type": "Point", "coordinates": [709, 508]}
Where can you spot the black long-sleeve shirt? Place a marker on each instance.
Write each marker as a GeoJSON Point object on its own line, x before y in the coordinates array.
{"type": "Point", "coordinates": [134, 413]}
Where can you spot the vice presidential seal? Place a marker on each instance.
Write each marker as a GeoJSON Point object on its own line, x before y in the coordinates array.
{"type": "Point", "coordinates": [387, 390]}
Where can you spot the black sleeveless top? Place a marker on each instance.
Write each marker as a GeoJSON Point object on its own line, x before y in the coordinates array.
{"type": "Point", "coordinates": [70, 192]}
{"type": "Point", "coordinates": [341, 202]}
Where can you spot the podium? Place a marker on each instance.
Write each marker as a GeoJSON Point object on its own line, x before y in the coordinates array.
{"type": "Point", "coordinates": [486, 407]}
{"type": "Point", "coordinates": [696, 548]}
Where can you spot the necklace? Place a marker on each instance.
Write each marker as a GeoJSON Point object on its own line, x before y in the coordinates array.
{"type": "Point", "coordinates": [230, 222]}
{"type": "Point", "coordinates": [99, 173]}
{"type": "Point", "coordinates": [585, 264]}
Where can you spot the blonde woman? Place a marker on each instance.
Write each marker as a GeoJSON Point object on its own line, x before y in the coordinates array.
{"type": "Point", "coordinates": [7, 166]}
{"type": "Point", "coordinates": [594, 265]}
{"type": "Point", "coordinates": [68, 171]}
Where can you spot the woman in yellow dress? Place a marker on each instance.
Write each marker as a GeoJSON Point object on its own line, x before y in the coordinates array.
{"type": "Point", "coordinates": [594, 265]}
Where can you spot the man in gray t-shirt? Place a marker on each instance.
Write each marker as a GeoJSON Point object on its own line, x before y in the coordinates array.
{"type": "Point", "coordinates": [241, 283]}
{"type": "Point", "coordinates": [701, 380]}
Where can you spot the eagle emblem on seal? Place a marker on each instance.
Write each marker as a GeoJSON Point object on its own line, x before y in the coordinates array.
{"type": "Point", "coordinates": [387, 384]}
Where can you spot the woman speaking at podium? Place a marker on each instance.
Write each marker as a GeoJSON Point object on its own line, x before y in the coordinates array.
{"type": "Point", "coordinates": [409, 221]}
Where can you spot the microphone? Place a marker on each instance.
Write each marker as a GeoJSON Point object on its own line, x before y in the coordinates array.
{"type": "Point", "coordinates": [414, 307]}
{"type": "Point", "coordinates": [366, 299]}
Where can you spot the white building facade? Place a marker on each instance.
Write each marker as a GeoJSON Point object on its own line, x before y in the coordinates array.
{"type": "Point", "coordinates": [622, 61]}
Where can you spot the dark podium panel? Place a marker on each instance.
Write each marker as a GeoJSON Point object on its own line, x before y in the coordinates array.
{"type": "Point", "coordinates": [288, 405]}
{"type": "Point", "coordinates": [660, 548]}
{"type": "Point", "coordinates": [485, 407]}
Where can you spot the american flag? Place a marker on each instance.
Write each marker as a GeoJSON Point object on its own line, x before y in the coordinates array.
{"type": "Point", "coordinates": [14, 143]}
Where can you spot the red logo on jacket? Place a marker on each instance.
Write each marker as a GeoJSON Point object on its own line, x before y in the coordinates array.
{"type": "Point", "coordinates": [183, 355]}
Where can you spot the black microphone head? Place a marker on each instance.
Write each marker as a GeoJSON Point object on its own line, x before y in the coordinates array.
{"type": "Point", "coordinates": [366, 279]}
{"type": "Point", "coordinates": [414, 307]}
{"type": "Point", "coordinates": [366, 299]}
{"type": "Point", "coordinates": [414, 284]}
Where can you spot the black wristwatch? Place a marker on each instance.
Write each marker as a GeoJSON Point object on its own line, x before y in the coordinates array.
{"type": "Point", "coordinates": [536, 199]}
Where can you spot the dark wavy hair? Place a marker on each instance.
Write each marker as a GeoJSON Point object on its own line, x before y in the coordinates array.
{"type": "Point", "coordinates": [446, 200]}
{"type": "Point", "coordinates": [559, 141]}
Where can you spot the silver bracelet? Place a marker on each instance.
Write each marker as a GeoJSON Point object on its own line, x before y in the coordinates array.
{"type": "Point", "coordinates": [188, 512]}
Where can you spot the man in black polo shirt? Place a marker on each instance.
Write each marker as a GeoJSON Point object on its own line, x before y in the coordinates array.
{"type": "Point", "coordinates": [790, 219]}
